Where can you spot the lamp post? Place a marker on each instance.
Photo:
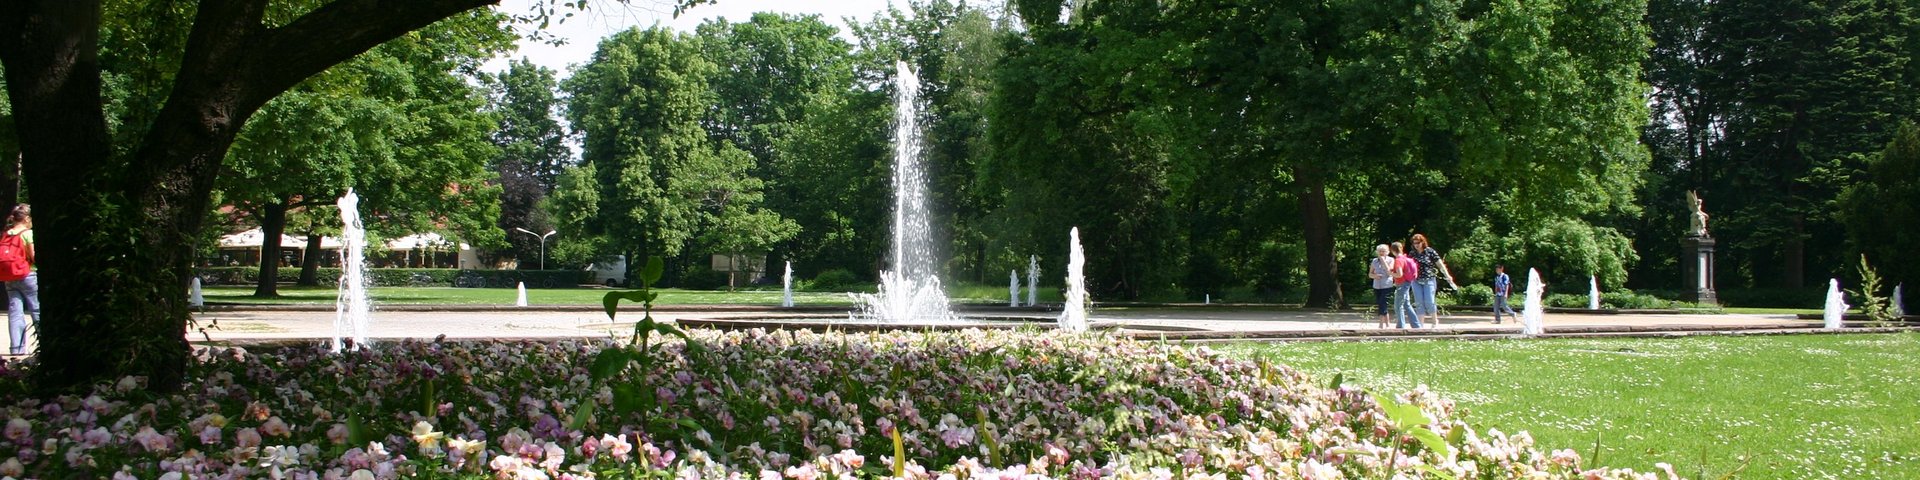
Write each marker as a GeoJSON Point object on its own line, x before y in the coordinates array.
{"type": "Point", "coordinates": [543, 244]}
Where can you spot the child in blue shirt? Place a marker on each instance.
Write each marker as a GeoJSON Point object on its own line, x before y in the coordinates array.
{"type": "Point", "coordinates": [1502, 287]}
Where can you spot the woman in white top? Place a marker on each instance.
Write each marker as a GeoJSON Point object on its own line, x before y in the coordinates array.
{"type": "Point", "coordinates": [1382, 270]}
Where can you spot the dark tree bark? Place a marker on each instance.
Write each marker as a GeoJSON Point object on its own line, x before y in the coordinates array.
{"type": "Point", "coordinates": [310, 261]}
{"type": "Point", "coordinates": [116, 232]}
{"type": "Point", "coordinates": [1323, 269]}
{"type": "Point", "coordinates": [273, 224]}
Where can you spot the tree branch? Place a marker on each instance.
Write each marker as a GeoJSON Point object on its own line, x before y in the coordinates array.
{"type": "Point", "coordinates": [338, 31]}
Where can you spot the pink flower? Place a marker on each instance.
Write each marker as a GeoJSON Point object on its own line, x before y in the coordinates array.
{"type": "Point", "coordinates": [247, 437]}
{"type": "Point", "coordinates": [337, 433]}
{"type": "Point", "coordinates": [19, 430]}
{"type": "Point", "coordinates": [276, 427]}
{"type": "Point", "coordinates": [152, 440]}
{"type": "Point", "coordinates": [210, 435]}
{"type": "Point", "coordinates": [617, 445]}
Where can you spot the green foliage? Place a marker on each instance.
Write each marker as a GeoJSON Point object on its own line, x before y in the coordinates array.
{"type": "Point", "coordinates": [835, 279]}
{"type": "Point", "coordinates": [1883, 204]}
{"type": "Point", "coordinates": [1879, 309]}
{"type": "Point", "coordinates": [533, 152]}
{"type": "Point", "coordinates": [634, 397]}
{"type": "Point", "coordinates": [653, 180]}
{"type": "Point", "coordinates": [1475, 294]}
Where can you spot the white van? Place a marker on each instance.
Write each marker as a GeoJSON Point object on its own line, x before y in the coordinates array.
{"type": "Point", "coordinates": [612, 273]}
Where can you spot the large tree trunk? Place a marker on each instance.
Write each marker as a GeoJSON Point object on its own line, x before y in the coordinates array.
{"type": "Point", "coordinates": [310, 263]}
{"type": "Point", "coordinates": [1323, 268]}
{"type": "Point", "coordinates": [273, 224]}
{"type": "Point", "coordinates": [116, 232]}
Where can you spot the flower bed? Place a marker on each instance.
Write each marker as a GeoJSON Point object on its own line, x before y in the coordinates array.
{"type": "Point", "coordinates": [972, 404]}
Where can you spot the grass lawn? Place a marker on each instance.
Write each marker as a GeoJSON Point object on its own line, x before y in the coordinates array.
{"type": "Point", "coordinates": [1801, 406]}
{"type": "Point", "coordinates": [574, 296]}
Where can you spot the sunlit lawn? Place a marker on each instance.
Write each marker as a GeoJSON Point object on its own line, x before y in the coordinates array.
{"type": "Point", "coordinates": [575, 296]}
{"type": "Point", "coordinates": [1802, 406]}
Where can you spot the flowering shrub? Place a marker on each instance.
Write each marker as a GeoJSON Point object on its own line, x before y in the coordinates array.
{"type": "Point", "coordinates": [769, 405]}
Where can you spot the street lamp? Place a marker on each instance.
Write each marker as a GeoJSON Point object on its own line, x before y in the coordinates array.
{"type": "Point", "coordinates": [543, 244]}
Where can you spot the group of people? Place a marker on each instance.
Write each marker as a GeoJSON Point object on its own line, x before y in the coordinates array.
{"type": "Point", "coordinates": [1405, 280]}
{"type": "Point", "coordinates": [17, 272]}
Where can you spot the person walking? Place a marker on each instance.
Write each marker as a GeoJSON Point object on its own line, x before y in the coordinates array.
{"type": "Point", "coordinates": [1382, 270]}
{"type": "Point", "coordinates": [1502, 290]}
{"type": "Point", "coordinates": [22, 284]}
{"type": "Point", "coordinates": [1404, 272]}
{"type": "Point", "coordinates": [1432, 266]}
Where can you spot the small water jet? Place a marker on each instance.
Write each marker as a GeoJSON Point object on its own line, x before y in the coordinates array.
{"type": "Point", "coordinates": [194, 297]}
{"type": "Point", "coordinates": [1593, 292]}
{"type": "Point", "coordinates": [522, 300]}
{"type": "Point", "coordinates": [786, 287]}
{"type": "Point", "coordinates": [1033, 280]}
{"type": "Point", "coordinates": [1836, 310]}
{"type": "Point", "coordinates": [1533, 315]}
{"type": "Point", "coordinates": [1074, 316]}
{"type": "Point", "coordinates": [1899, 301]}
{"type": "Point", "coordinates": [353, 311]}
{"type": "Point", "coordinates": [1013, 288]}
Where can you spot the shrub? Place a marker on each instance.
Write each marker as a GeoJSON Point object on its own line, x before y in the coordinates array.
{"type": "Point", "coordinates": [1628, 299]}
{"type": "Point", "coordinates": [512, 278]}
{"type": "Point", "coordinates": [836, 279]}
{"type": "Point", "coordinates": [1474, 294]}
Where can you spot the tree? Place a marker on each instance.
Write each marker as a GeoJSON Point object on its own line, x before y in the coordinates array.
{"type": "Point", "coordinates": [120, 195]}
{"type": "Point", "coordinates": [1879, 208]}
{"type": "Point", "coordinates": [533, 152]}
{"type": "Point", "coordinates": [661, 182]}
{"type": "Point", "coordinates": [399, 123]}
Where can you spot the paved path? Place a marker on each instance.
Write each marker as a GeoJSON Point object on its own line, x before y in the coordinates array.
{"type": "Point", "coordinates": [251, 325]}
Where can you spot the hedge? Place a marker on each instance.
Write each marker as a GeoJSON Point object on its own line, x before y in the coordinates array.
{"type": "Point", "coordinates": [408, 277]}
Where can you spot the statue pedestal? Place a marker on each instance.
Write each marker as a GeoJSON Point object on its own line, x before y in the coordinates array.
{"type": "Point", "coordinates": [1699, 269]}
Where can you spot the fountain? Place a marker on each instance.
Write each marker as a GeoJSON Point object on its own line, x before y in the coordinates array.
{"type": "Point", "coordinates": [1836, 305]}
{"type": "Point", "coordinates": [1074, 318]}
{"type": "Point", "coordinates": [1899, 303]}
{"type": "Point", "coordinates": [352, 311]}
{"type": "Point", "coordinates": [1593, 292]}
{"type": "Point", "coordinates": [786, 287]}
{"type": "Point", "coordinates": [1013, 288]}
{"type": "Point", "coordinates": [522, 300]}
{"type": "Point", "coordinates": [194, 298]}
{"type": "Point", "coordinates": [911, 291]}
{"type": "Point", "coordinates": [1033, 280]}
{"type": "Point", "coordinates": [1533, 315]}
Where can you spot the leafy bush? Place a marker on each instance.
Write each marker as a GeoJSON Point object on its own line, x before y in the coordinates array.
{"type": "Point", "coordinates": [1475, 294]}
{"type": "Point", "coordinates": [757, 405]}
{"type": "Point", "coordinates": [702, 277]}
{"type": "Point", "coordinates": [1628, 299]}
{"type": "Point", "coordinates": [512, 278]}
{"type": "Point", "coordinates": [1809, 297]}
{"type": "Point", "coordinates": [835, 279]}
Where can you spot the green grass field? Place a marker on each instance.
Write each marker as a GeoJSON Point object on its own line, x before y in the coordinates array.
{"type": "Point", "coordinates": [1797, 406]}
{"type": "Point", "coordinates": [574, 296]}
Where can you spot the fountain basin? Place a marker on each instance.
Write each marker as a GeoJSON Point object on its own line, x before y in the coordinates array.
{"type": "Point", "coordinates": [842, 324]}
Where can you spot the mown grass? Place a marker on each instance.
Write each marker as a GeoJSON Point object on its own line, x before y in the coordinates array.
{"type": "Point", "coordinates": [577, 296]}
{"type": "Point", "coordinates": [1794, 406]}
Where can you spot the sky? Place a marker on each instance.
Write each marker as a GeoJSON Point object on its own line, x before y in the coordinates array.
{"type": "Point", "coordinates": [585, 29]}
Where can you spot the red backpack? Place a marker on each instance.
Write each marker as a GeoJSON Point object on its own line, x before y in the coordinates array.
{"type": "Point", "coordinates": [1409, 269]}
{"type": "Point", "coordinates": [13, 258]}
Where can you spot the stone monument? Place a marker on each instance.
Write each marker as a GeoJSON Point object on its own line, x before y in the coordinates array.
{"type": "Point", "coordinates": [1697, 264]}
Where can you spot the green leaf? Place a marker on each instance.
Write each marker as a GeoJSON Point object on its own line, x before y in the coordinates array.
{"type": "Point", "coordinates": [651, 274]}
{"type": "Point", "coordinates": [899, 453]}
{"type": "Point", "coordinates": [1338, 378]}
{"type": "Point", "coordinates": [628, 398]}
{"type": "Point", "coordinates": [357, 433]}
{"type": "Point", "coordinates": [1405, 415]}
{"type": "Point", "coordinates": [608, 363]}
{"type": "Point", "coordinates": [611, 302]}
{"type": "Point", "coordinates": [1436, 472]}
{"type": "Point", "coordinates": [582, 415]}
{"type": "Point", "coordinates": [1429, 439]}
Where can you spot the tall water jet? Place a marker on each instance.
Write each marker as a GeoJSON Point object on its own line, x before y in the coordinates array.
{"type": "Point", "coordinates": [911, 290]}
{"type": "Point", "coordinates": [1033, 280]}
{"type": "Point", "coordinates": [1533, 315]}
{"type": "Point", "coordinates": [352, 311]}
{"type": "Point", "coordinates": [521, 301]}
{"type": "Point", "coordinates": [1074, 318]}
{"type": "Point", "coordinates": [1593, 292]}
{"type": "Point", "coordinates": [1013, 288]}
{"type": "Point", "coordinates": [1836, 305]}
{"type": "Point", "coordinates": [196, 299]}
{"type": "Point", "coordinates": [786, 287]}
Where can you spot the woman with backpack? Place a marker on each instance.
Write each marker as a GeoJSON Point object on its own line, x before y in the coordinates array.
{"type": "Point", "coordinates": [16, 269]}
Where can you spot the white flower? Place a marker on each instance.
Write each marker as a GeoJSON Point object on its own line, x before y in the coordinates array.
{"type": "Point", "coordinates": [424, 434]}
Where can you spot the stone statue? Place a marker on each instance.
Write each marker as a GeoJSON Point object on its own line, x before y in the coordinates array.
{"type": "Point", "coordinates": [1697, 227]}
